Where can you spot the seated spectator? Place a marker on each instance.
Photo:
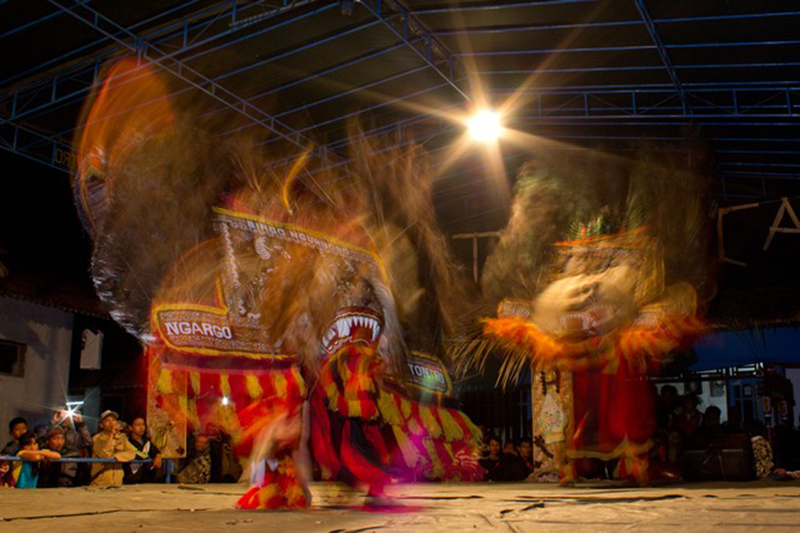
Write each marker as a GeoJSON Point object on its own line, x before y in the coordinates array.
{"type": "Point", "coordinates": [6, 475]}
{"type": "Point", "coordinates": [494, 463]}
{"type": "Point", "coordinates": [198, 469]}
{"type": "Point", "coordinates": [763, 464]}
{"type": "Point", "coordinates": [76, 435]}
{"type": "Point", "coordinates": [515, 467]}
{"type": "Point", "coordinates": [526, 454]}
{"type": "Point", "coordinates": [16, 428]}
{"type": "Point", "coordinates": [57, 474]}
{"type": "Point", "coordinates": [145, 449]}
{"type": "Point", "coordinates": [28, 475]}
{"type": "Point", "coordinates": [711, 426]}
{"type": "Point", "coordinates": [110, 444]}
{"type": "Point", "coordinates": [733, 424]}
{"type": "Point", "coordinates": [666, 406]}
{"type": "Point", "coordinates": [510, 448]}
{"type": "Point", "coordinates": [688, 421]}
{"type": "Point", "coordinates": [225, 468]}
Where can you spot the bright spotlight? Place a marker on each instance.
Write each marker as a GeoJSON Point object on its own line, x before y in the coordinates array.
{"type": "Point", "coordinates": [485, 126]}
{"type": "Point", "coordinates": [72, 409]}
{"type": "Point", "coordinates": [225, 400]}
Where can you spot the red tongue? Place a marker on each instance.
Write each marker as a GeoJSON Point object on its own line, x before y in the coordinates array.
{"type": "Point", "coordinates": [361, 333]}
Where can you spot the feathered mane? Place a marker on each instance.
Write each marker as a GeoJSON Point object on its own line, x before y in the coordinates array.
{"type": "Point", "coordinates": [665, 190]}
{"type": "Point", "coordinates": [662, 190]}
{"type": "Point", "coordinates": [153, 220]}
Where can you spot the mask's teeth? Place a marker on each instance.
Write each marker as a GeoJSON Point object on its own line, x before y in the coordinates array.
{"type": "Point", "coordinates": [341, 327]}
{"type": "Point", "coordinates": [376, 331]}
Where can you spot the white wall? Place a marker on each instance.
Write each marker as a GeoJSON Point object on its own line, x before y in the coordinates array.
{"type": "Point", "coordinates": [48, 334]}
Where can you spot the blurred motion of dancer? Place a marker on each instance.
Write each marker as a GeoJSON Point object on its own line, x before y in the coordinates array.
{"type": "Point", "coordinates": [300, 311]}
{"type": "Point", "coordinates": [597, 278]}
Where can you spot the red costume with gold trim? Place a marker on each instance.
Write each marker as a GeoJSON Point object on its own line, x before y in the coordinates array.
{"type": "Point", "coordinates": [595, 315]}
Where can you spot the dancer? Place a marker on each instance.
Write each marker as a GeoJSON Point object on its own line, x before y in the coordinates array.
{"type": "Point", "coordinates": [596, 279]}
{"type": "Point", "coordinates": [299, 311]}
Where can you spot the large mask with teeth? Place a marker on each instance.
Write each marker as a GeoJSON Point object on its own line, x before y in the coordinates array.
{"type": "Point", "coordinates": [598, 284]}
{"type": "Point", "coordinates": [352, 325]}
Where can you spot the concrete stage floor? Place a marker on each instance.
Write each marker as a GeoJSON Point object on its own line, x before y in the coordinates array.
{"type": "Point", "coordinates": [429, 508]}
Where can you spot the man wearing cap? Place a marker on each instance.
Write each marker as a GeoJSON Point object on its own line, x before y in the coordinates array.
{"type": "Point", "coordinates": [110, 444]}
{"type": "Point", "coordinates": [57, 474]}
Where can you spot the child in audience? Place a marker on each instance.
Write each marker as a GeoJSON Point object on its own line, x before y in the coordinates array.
{"type": "Point", "coordinates": [28, 474]}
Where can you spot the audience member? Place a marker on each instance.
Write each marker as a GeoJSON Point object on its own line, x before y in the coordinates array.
{"type": "Point", "coordinates": [734, 422]}
{"type": "Point", "coordinates": [711, 426]}
{"type": "Point", "coordinates": [77, 438]}
{"type": "Point", "coordinates": [526, 454]}
{"type": "Point", "coordinates": [198, 468]}
{"type": "Point", "coordinates": [510, 448]}
{"type": "Point", "coordinates": [763, 464]}
{"type": "Point", "coordinates": [689, 419]}
{"type": "Point", "coordinates": [145, 449]}
{"type": "Point", "coordinates": [57, 474]}
{"type": "Point", "coordinates": [110, 444]}
{"type": "Point", "coordinates": [225, 468]}
{"type": "Point", "coordinates": [16, 428]}
{"type": "Point", "coordinates": [515, 467]}
{"type": "Point", "coordinates": [28, 475]}
{"type": "Point", "coordinates": [6, 475]}
{"type": "Point", "coordinates": [667, 405]}
{"type": "Point", "coordinates": [494, 463]}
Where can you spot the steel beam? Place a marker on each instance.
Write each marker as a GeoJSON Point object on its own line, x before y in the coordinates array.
{"type": "Point", "coordinates": [191, 33]}
{"type": "Point", "coordinates": [627, 48]}
{"type": "Point", "coordinates": [314, 76]}
{"type": "Point", "coordinates": [610, 24]}
{"type": "Point", "coordinates": [150, 52]}
{"type": "Point", "coordinates": [37, 146]}
{"type": "Point", "coordinates": [64, 57]}
{"type": "Point", "coordinates": [662, 52]}
{"type": "Point", "coordinates": [254, 98]}
{"type": "Point", "coordinates": [647, 103]}
{"type": "Point", "coordinates": [412, 26]}
{"type": "Point", "coordinates": [306, 107]}
{"type": "Point", "coordinates": [365, 110]}
{"type": "Point", "coordinates": [496, 7]}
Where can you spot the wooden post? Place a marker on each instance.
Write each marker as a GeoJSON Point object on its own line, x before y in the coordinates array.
{"type": "Point", "coordinates": [475, 237]}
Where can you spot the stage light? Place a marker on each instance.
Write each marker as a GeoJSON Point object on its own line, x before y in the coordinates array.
{"type": "Point", "coordinates": [485, 126]}
{"type": "Point", "coordinates": [225, 400]}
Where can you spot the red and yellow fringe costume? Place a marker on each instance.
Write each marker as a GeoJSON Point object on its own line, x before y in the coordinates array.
{"type": "Point", "coordinates": [363, 431]}
{"type": "Point", "coordinates": [383, 432]}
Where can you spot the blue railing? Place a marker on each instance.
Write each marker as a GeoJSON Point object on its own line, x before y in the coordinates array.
{"type": "Point", "coordinates": [167, 463]}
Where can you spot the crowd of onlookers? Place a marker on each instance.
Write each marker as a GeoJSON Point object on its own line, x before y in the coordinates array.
{"type": "Point", "coordinates": [683, 431]}
{"type": "Point", "coordinates": [512, 461]}
{"type": "Point", "coordinates": [683, 427]}
{"type": "Point", "coordinates": [124, 454]}
{"type": "Point", "coordinates": [121, 454]}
